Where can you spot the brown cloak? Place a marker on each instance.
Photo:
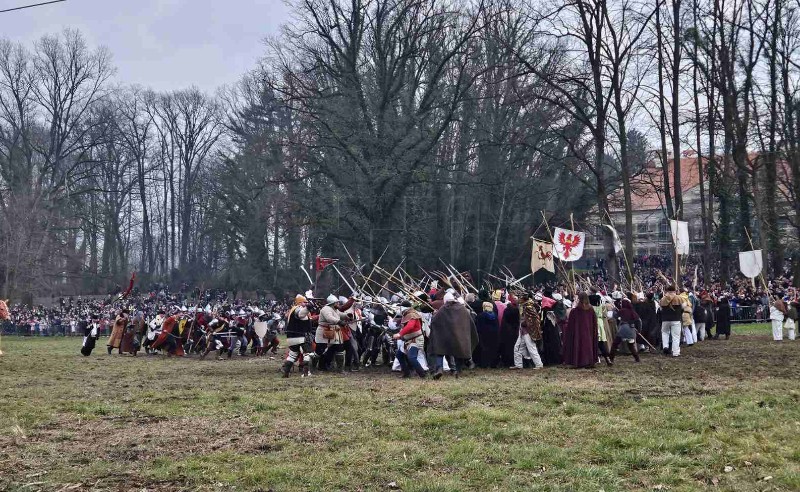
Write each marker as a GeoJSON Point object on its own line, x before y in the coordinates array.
{"type": "Point", "coordinates": [453, 332]}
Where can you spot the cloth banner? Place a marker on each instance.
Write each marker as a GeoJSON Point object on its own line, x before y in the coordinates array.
{"type": "Point", "coordinates": [617, 242]}
{"type": "Point", "coordinates": [568, 244]}
{"type": "Point", "coordinates": [323, 263]}
{"type": "Point", "coordinates": [260, 327]}
{"type": "Point", "coordinates": [751, 263]}
{"type": "Point", "coordinates": [680, 236]}
{"type": "Point", "coordinates": [542, 256]}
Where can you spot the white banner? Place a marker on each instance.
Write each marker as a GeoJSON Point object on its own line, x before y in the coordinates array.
{"type": "Point", "coordinates": [542, 256]}
{"type": "Point", "coordinates": [260, 327]}
{"type": "Point", "coordinates": [617, 242]}
{"type": "Point", "coordinates": [751, 263]}
{"type": "Point", "coordinates": [568, 244]}
{"type": "Point", "coordinates": [680, 236]}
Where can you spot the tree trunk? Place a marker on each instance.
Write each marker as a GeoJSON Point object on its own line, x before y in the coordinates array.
{"type": "Point", "coordinates": [676, 134]}
{"type": "Point", "coordinates": [663, 115]}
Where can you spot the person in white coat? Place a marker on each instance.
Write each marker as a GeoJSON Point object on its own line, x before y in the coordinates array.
{"type": "Point", "coordinates": [777, 314]}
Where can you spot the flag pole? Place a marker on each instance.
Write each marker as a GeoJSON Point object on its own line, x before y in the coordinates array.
{"type": "Point", "coordinates": [624, 253]}
{"type": "Point", "coordinates": [761, 272]}
{"type": "Point", "coordinates": [553, 243]}
{"type": "Point", "coordinates": [572, 263]}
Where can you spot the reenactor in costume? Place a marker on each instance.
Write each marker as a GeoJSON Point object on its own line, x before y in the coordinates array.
{"type": "Point", "coordinates": [299, 337]}
{"type": "Point", "coordinates": [115, 340]}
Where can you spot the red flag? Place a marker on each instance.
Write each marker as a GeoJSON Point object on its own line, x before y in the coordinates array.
{"type": "Point", "coordinates": [130, 286]}
{"type": "Point", "coordinates": [322, 263]}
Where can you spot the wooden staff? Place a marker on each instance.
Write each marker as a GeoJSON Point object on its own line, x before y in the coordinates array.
{"type": "Point", "coordinates": [408, 290]}
{"type": "Point", "coordinates": [761, 272]}
{"type": "Point", "coordinates": [355, 265]}
{"type": "Point", "coordinates": [403, 259]}
{"type": "Point", "coordinates": [624, 255]}
{"type": "Point", "coordinates": [553, 242]}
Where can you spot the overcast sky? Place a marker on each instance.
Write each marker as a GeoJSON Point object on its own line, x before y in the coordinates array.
{"type": "Point", "coordinates": [163, 44]}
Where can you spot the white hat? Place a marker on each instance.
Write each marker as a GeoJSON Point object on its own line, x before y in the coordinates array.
{"type": "Point", "coordinates": [616, 295]}
{"type": "Point", "coordinates": [538, 297]}
{"type": "Point", "coordinates": [567, 303]}
{"type": "Point", "coordinates": [342, 299]}
{"type": "Point", "coordinates": [332, 299]}
{"type": "Point", "coordinates": [557, 296]}
{"type": "Point", "coordinates": [449, 297]}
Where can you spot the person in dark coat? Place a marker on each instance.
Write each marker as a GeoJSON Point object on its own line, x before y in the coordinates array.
{"type": "Point", "coordinates": [453, 334]}
{"type": "Point", "coordinates": [90, 335]}
{"type": "Point", "coordinates": [509, 332]}
{"type": "Point", "coordinates": [646, 309]}
{"type": "Point", "coordinates": [723, 318]}
{"type": "Point", "coordinates": [629, 323]}
{"type": "Point", "coordinates": [551, 332]}
{"type": "Point", "coordinates": [580, 335]}
{"type": "Point", "coordinates": [485, 355]}
{"type": "Point", "coordinates": [711, 317]}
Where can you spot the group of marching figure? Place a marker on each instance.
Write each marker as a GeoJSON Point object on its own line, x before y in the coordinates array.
{"type": "Point", "coordinates": [181, 330]}
{"type": "Point", "coordinates": [430, 333]}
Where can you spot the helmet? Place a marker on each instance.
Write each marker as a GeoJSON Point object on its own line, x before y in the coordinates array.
{"type": "Point", "coordinates": [302, 312]}
{"type": "Point", "coordinates": [332, 299]}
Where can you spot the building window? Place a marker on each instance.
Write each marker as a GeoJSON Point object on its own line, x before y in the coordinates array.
{"type": "Point", "coordinates": [664, 232]}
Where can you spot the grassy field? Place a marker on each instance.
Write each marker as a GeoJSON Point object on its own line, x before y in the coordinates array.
{"type": "Point", "coordinates": [724, 416]}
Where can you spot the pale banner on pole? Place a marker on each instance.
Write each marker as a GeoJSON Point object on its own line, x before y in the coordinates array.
{"type": "Point", "coordinates": [751, 263]}
{"type": "Point", "coordinates": [542, 256]}
{"type": "Point", "coordinates": [617, 242]}
{"type": "Point", "coordinates": [680, 236]}
{"type": "Point", "coordinates": [568, 244]}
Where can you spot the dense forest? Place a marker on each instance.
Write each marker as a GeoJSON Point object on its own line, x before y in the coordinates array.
{"type": "Point", "coordinates": [423, 128]}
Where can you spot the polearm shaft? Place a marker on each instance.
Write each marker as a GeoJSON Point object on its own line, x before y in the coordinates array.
{"type": "Point", "coordinates": [408, 290]}
{"type": "Point", "coordinates": [343, 278]}
{"type": "Point", "coordinates": [368, 277]}
{"type": "Point", "coordinates": [355, 265]}
{"type": "Point", "coordinates": [402, 260]}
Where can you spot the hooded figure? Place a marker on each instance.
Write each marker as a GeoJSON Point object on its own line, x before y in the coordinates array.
{"type": "Point", "coordinates": [485, 355]}
{"type": "Point", "coordinates": [453, 333]}
{"type": "Point", "coordinates": [580, 335]}
{"type": "Point", "coordinates": [551, 330]}
{"type": "Point", "coordinates": [509, 332]}
{"type": "Point", "coordinates": [723, 318]}
{"type": "Point", "coordinates": [646, 309]}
